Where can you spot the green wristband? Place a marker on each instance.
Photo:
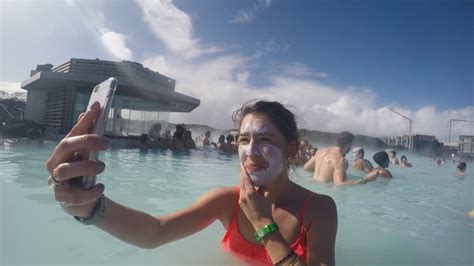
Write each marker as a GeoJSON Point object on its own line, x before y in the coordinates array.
{"type": "Point", "coordinates": [265, 230]}
{"type": "Point", "coordinates": [363, 181]}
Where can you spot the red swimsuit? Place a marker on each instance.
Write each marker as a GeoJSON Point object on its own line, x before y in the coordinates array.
{"type": "Point", "coordinates": [236, 244]}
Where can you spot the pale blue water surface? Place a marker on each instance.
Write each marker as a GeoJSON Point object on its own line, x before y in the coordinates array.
{"type": "Point", "coordinates": [418, 218]}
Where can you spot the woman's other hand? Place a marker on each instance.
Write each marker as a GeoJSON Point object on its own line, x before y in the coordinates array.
{"type": "Point", "coordinates": [253, 203]}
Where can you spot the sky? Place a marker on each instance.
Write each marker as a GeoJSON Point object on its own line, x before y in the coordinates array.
{"type": "Point", "coordinates": [338, 65]}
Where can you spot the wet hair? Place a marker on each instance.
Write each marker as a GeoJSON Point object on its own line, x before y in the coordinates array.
{"type": "Point", "coordinates": [230, 138]}
{"type": "Point", "coordinates": [393, 153]}
{"type": "Point", "coordinates": [344, 138]}
{"type": "Point", "coordinates": [381, 158]}
{"type": "Point", "coordinates": [283, 119]}
{"type": "Point", "coordinates": [403, 157]}
{"type": "Point", "coordinates": [462, 166]}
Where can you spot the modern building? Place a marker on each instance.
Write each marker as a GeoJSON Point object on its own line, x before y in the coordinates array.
{"type": "Point", "coordinates": [416, 143]}
{"type": "Point", "coordinates": [57, 95]}
{"type": "Point", "coordinates": [466, 145]}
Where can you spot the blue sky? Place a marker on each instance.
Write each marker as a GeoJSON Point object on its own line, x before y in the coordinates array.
{"type": "Point", "coordinates": [339, 63]}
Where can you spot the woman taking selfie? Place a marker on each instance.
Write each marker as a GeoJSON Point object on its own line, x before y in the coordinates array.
{"type": "Point", "coordinates": [268, 218]}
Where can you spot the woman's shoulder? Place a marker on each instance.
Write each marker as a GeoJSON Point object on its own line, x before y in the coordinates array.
{"type": "Point", "coordinates": [223, 195]}
{"type": "Point", "coordinates": [322, 208]}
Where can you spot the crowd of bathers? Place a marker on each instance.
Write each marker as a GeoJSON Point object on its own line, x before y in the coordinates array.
{"type": "Point", "coordinates": [181, 139]}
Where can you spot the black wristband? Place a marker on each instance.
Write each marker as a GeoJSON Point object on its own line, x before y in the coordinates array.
{"type": "Point", "coordinates": [97, 214]}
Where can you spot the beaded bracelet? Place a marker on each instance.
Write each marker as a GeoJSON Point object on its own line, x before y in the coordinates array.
{"type": "Point", "coordinates": [285, 258]}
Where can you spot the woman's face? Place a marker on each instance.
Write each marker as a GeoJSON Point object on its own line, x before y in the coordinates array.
{"type": "Point", "coordinates": [262, 149]}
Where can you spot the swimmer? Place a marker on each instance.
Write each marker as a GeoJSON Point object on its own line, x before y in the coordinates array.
{"type": "Point", "coordinates": [404, 162]}
{"type": "Point", "coordinates": [461, 168]}
{"type": "Point", "coordinates": [383, 161]}
{"type": "Point", "coordinates": [358, 161]}
{"type": "Point", "coordinates": [207, 139]}
{"type": "Point", "coordinates": [393, 157]}
{"type": "Point", "coordinates": [268, 218]}
{"type": "Point", "coordinates": [329, 164]}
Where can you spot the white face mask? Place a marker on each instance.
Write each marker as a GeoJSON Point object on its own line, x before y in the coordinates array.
{"type": "Point", "coordinates": [271, 154]}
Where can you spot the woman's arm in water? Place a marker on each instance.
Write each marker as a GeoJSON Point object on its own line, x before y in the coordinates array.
{"type": "Point", "coordinates": [144, 230]}
{"type": "Point", "coordinates": [130, 225]}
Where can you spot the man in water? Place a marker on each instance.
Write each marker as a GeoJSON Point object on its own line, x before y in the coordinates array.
{"type": "Point", "coordinates": [358, 161]}
{"type": "Point", "coordinates": [329, 164]}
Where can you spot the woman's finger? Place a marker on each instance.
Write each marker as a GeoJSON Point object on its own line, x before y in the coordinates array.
{"type": "Point", "coordinates": [86, 121]}
{"type": "Point", "coordinates": [69, 170]}
{"type": "Point", "coordinates": [245, 181]}
{"type": "Point", "coordinates": [241, 178]}
{"type": "Point", "coordinates": [68, 146]}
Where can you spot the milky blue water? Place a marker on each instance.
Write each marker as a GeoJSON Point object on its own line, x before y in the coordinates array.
{"type": "Point", "coordinates": [418, 218]}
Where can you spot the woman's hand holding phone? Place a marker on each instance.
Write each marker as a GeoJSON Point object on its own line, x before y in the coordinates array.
{"type": "Point", "coordinates": [67, 168]}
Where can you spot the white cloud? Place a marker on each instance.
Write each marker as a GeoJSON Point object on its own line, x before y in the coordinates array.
{"type": "Point", "coordinates": [11, 87]}
{"type": "Point", "coordinates": [222, 85]}
{"type": "Point", "coordinates": [249, 14]}
{"type": "Point", "coordinates": [174, 28]}
{"type": "Point", "coordinates": [115, 44]}
{"type": "Point", "coordinates": [271, 46]}
{"type": "Point", "coordinates": [300, 70]}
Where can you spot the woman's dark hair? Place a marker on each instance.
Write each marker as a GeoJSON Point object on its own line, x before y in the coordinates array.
{"type": "Point", "coordinates": [403, 157]}
{"type": "Point", "coordinates": [381, 158]}
{"type": "Point", "coordinates": [462, 166]}
{"type": "Point", "coordinates": [283, 119]}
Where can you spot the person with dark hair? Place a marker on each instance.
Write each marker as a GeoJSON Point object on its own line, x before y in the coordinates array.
{"type": "Point", "coordinates": [188, 140]}
{"type": "Point", "coordinates": [220, 145]}
{"type": "Point", "coordinates": [329, 164]}
{"type": "Point", "coordinates": [268, 218]}
{"type": "Point", "coordinates": [143, 145]}
{"type": "Point", "coordinates": [461, 168]}
{"type": "Point", "coordinates": [382, 159]}
{"type": "Point", "coordinates": [358, 161]}
{"type": "Point", "coordinates": [404, 162]}
{"type": "Point", "coordinates": [393, 157]}
{"type": "Point", "coordinates": [207, 139]}
{"type": "Point", "coordinates": [229, 146]}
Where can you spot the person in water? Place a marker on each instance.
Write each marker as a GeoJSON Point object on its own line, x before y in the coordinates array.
{"type": "Point", "coordinates": [404, 162]}
{"type": "Point", "coordinates": [268, 218]}
{"type": "Point", "coordinates": [393, 157]}
{"type": "Point", "coordinates": [358, 161]}
{"type": "Point", "coordinates": [329, 164]}
{"type": "Point", "coordinates": [461, 168]}
{"type": "Point", "coordinates": [207, 139]}
{"type": "Point", "coordinates": [382, 159]}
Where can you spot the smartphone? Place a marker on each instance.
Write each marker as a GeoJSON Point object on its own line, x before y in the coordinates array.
{"type": "Point", "coordinates": [104, 94]}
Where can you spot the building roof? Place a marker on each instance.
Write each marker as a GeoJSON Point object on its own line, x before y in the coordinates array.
{"type": "Point", "coordinates": [134, 80]}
